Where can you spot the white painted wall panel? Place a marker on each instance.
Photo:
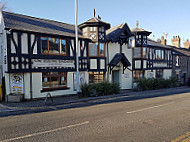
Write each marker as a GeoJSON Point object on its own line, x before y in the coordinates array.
{"type": "Point", "coordinates": [24, 40]}
{"type": "Point", "coordinates": [167, 73]}
{"type": "Point", "coordinates": [93, 63]}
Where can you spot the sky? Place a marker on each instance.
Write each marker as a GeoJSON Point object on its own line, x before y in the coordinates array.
{"type": "Point", "coordinates": [157, 16]}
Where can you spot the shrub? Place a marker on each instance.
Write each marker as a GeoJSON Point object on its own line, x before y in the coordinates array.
{"type": "Point", "coordinates": [99, 89]}
{"type": "Point", "coordinates": [152, 83]}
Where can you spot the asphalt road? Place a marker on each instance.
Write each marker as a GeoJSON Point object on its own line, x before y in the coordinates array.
{"type": "Point", "coordinates": [159, 119]}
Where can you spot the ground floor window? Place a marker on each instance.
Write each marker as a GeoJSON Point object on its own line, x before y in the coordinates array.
{"type": "Point", "coordinates": [96, 77]}
{"type": "Point", "coordinates": [138, 74]}
{"type": "Point", "coordinates": [159, 73]}
{"type": "Point", "coordinates": [54, 79]}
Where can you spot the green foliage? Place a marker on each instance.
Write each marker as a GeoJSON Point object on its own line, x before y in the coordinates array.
{"type": "Point", "coordinates": [99, 89]}
{"type": "Point", "coordinates": [152, 83]}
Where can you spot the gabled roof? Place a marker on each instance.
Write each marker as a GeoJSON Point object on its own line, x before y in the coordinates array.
{"type": "Point", "coordinates": [33, 24]}
{"type": "Point", "coordinates": [181, 51]}
{"type": "Point", "coordinates": [140, 30]}
{"type": "Point", "coordinates": [114, 33]}
{"type": "Point", "coordinates": [119, 57]}
{"type": "Point", "coordinates": [95, 21]}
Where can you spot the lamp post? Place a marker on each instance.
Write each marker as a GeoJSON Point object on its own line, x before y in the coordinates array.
{"type": "Point", "coordinates": [77, 49]}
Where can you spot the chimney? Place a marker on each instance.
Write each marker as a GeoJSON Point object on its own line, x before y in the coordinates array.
{"type": "Point", "coordinates": [163, 41]}
{"type": "Point", "coordinates": [176, 41]}
{"type": "Point", "coordinates": [187, 44]}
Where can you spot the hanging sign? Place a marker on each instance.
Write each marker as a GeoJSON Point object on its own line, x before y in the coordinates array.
{"type": "Point", "coordinates": [52, 63]}
{"type": "Point", "coordinates": [16, 83]}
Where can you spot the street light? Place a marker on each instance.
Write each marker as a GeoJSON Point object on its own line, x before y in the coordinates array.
{"type": "Point", "coordinates": [77, 49]}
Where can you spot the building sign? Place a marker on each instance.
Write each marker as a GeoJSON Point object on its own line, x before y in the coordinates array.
{"type": "Point", "coordinates": [16, 83]}
{"type": "Point", "coordinates": [52, 63]}
{"type": "Point", "coordinates": [150, 74]}
{"type": "Point", "coordinates": [160, 64]}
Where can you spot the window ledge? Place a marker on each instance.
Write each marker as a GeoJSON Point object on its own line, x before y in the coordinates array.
{"type": "Point", "coordinates": [55, 89]}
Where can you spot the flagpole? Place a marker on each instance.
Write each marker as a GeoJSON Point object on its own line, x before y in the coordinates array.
{"type": "Point", "coordinates": [77, 49]}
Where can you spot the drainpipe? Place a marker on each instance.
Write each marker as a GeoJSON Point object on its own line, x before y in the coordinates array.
{"type": "Point", "coordinates": [107, 62]}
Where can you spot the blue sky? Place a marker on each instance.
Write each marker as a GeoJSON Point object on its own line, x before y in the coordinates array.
{"type": "Point", "coordinates": [158, 16]}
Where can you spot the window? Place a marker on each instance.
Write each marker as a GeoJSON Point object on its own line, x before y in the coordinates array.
{"type": "Point", "coordinates": [102, 49]}
{"type": "Point", "coordinates": [53, 46]}
{"type": "Point", "coordinates": [159, 73]}
{"type": "Point", "coordinates": [93, 49]}
{"type": "Point", "coordinates": [159, 54]}
{"type": "Point", "coordinates": [54, 80]}
{"type": "Point", "coordinates": [140, 52]}
{"type": "Point", "coordinates": [96, 49]}
{"type": "Point", "coordinates": [177, 61]}
{"type": "Point", "coordinates": [138, 74]}
{"type": "Point", "coordinates": [96, 77]}
{"type": "Point", "coordinates": [44, 44]}
{"type": "Point", "coordinates": [101, 29]}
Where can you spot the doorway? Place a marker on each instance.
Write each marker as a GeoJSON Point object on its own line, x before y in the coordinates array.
{"type": "Point", "coordinates": [115, 77]}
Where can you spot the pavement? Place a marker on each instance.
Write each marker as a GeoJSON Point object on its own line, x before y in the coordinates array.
{"type": "Point", "coordinates": [64, 102]}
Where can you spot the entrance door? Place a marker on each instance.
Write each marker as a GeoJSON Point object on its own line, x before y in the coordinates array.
{"type": "Point", "coordinates": [115, 76]}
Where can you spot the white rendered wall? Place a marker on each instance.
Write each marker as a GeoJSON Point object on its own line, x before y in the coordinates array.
{"type": "Point", "coordinates": [125, 80]}
{"type": "Point", "coordinates": [167, 73]}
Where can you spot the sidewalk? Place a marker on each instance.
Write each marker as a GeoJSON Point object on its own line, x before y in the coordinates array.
{"type": "Point", "coordinates": [39, 105]}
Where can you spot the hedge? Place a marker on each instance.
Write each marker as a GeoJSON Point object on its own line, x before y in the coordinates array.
{"type": "Point", "coordinates": [99, 89]}
{"type": "Point", "coordinates": [152, 83]}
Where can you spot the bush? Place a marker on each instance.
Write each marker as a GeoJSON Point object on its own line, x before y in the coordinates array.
{"type": "Point", "coordinates": [152, 83]}
{"type": "Point", "coordinates": [99, 89]}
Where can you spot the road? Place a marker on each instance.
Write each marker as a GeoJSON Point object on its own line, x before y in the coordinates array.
{"type": "Point", "coordinates": [159, 119]}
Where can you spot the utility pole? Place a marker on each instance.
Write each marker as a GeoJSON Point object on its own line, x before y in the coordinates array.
{"type": "Point", "coordinates": [77, 49]}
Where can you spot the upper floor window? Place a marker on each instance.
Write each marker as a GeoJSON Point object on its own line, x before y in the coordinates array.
{"type": "Point", "coordinates": [101, 29]}
{"type": "Point", "coordinates": [159, 54]}
{"type": "Point", "coordinates": [101, 49]}
{"type": "Point", "coordinates": [140, 52]}
{"type": "Point", "coordinates": [92, 28]}
{"type": "Point", "coordinates": [177, 61]}
{"type": "Point", "coordinates": [53, 45]}
{"type": "Point", "coordinates": [96, 49]}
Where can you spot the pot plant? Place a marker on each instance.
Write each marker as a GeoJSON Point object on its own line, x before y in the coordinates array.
{"type": "Point", "coordinates": [14, 97]}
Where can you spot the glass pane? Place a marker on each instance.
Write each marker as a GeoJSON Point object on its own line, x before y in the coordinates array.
{"type": "Point", "coordinates": [92, 49]}
{"type": "Point", "coordinates": [102, 49]}
{"type": "Point", "coordinates": [54, 82]}
{"type": "Point", "coordinates": [62, 81]}
{"type": "Point", "coordinates": [53, 45]}
{"type": "Point", "coordinates": [63, 46]}
{"type": "Point", "coordinates": [44, 44]}
{"type": "Point", "coordinates": [163, 54]}
{"type": "Point", "coordinates": [45, 82]}
{"type": "Point", "coordinates": [137, 52]}
{"type": "Point", "coordinates": [144, 52]}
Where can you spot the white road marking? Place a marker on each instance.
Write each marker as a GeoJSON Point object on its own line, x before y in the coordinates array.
{"type": "Point", "coordinates": [49, 131]}
{"type": "Point", "coordinates": [148, 108]}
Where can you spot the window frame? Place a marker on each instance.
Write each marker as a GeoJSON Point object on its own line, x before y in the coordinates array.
{"type": "Point", "coordinates": [98, 49]}
{"type": "Point", "coordinates": [59, 54]}
{"type": "Point", "coordinates": [142, 56]}
{"type": "Point", "coordinates": [162, 56]}
{"type": "Point", "coordinates": [50, 76]}
{"type": "Point", "coordinates": [97, 74]}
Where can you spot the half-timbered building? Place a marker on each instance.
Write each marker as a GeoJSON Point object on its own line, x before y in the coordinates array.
{"type": "Point", "coordinates": [39, 55]}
